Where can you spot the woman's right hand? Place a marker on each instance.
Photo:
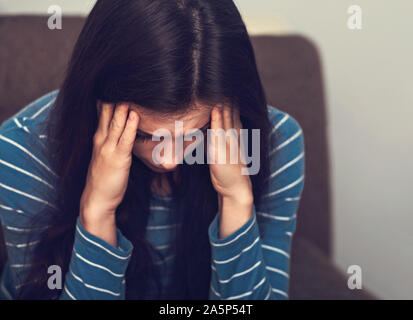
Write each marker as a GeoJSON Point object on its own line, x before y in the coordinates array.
{"type": "Point", "coordinates": [108, 171]}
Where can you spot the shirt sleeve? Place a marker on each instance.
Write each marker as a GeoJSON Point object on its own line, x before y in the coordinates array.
{"type": "Point", "coordinates": [27, 186]}
{"type": "Point", "coordinates": [253, 263]}
{"type": "Point", "coordinates": [97, 269]}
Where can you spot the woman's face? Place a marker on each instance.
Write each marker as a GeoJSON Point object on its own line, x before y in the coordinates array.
{"type": "Point", "coordinates": [196, 118]}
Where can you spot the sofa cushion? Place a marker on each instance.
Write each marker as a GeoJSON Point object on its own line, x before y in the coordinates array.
{"type": "Point", "coordinates": [314, 276]}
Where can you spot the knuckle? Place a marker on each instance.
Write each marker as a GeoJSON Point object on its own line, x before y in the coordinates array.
{"type": "Point", "coordinates": [114, 125]}
{"type": "Point", "coordinates": [105, 151]}
{"type": "Point", "coordinates": [124, 145]}
{"type": "Point", "coordinates": [97, 139]}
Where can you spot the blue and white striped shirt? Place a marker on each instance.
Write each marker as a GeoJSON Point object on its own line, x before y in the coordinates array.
{"type": "Point", "coordinates": [251, 263]}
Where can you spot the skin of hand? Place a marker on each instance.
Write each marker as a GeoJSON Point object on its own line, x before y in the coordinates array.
{"type": "Point", "coordinates": [109, 169]}
{"type": "Point", "coordinates": [234, 190]}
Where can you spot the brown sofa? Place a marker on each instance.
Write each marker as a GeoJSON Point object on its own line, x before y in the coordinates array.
{"type": "Point", "coordinates": [32, 62]}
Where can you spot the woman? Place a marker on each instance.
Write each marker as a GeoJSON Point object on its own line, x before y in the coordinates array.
{"type": "Point", "coordinates": [88, 213]}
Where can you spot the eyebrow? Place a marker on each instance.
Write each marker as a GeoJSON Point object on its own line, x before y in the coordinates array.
{"type": "Point", "coordinates": [148, 135]}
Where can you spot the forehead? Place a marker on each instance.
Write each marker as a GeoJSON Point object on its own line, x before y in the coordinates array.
{"type": "Point", "coordinates": [195, 117]}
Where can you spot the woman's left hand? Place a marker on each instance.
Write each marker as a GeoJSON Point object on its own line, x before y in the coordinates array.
{"type": "Point", "coordinates": [234, 189]}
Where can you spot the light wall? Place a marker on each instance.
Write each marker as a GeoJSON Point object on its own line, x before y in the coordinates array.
{"type": "Point", "coordinates": [69, 7]}
{"type": "Point", "coordinates": [368, 83]}
{"type": "Point", "coordinates": [368, 76]}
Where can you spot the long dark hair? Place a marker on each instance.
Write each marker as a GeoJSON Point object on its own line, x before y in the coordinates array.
{"type": "Point", "coordinates": [163, 55]}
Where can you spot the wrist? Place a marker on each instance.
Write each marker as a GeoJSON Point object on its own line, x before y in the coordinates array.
{"type": "Point", "coordinates": [91, 212]}
{"type": "Point", "coordinates": [91, 222]}
{"type": "Point", "coordinates": [235, 212]}
{"type": "Point", "coordinates": [94, 217]}
{"type": "Point", "coordinates": [102, 225]}
{"type": "Point", "coordinates": [240, 199]}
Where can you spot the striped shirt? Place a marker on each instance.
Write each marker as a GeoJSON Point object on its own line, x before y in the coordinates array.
{"type": "Point", "coordinates": [251, 263]}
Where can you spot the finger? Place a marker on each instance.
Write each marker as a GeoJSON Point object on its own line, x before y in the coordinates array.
{"type": "Point", "coordinates": [227, 118]}
{"type": "Point", "coordinates": [213, 134]}
{"type": "Point", "coordinates": [236, 118]}
{"type": "Point", "coordinates": [117, 124]}
{"type": "Point", "coordinates": [105, 111]}
{"type": "Point", "coordinates": [216, 119]}
{"type": "Point", "coordinates": [127, 139]}
{"type": "Point", "coordinates": [232, 134]}
{"type": "Point", "coordinates": [220, 134]}
{"type": "Point", "coordinates": [238, 126]}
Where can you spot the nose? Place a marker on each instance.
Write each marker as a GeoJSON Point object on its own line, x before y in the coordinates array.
{"type": "Point", "coordinates": [169, 166]}
{"type": "Point", "coordinates": [178, 154]}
